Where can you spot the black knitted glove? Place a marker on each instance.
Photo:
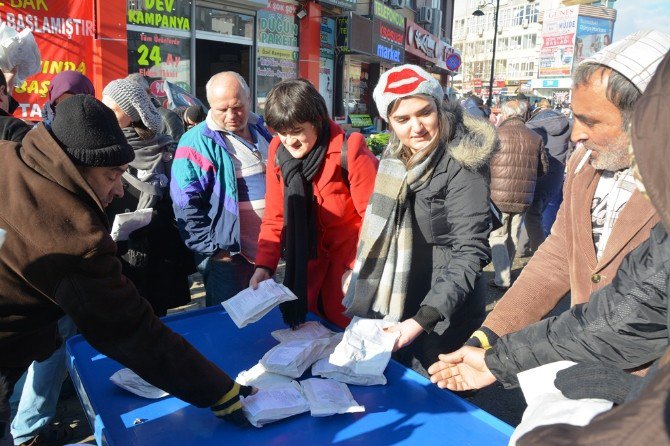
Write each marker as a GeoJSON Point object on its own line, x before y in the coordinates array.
{"type": "Point", "coordinates": [595, 380]}
{"type": "Point", "coordinates": [229, 406]}
{"type": "Point", "coordinates": [294, 312]}
{"type": "Point", "coordinates": [483, 338]}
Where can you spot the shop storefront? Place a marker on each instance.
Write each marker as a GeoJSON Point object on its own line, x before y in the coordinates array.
{"type": "Point", "coordinates": [180, 41]}
{"type": "Point", "coordinates": [556, 89]}
{"type": "Point", "coordinates": [278, 51]}
{"type": "Point", "coordinates": [186, 43]}
{"type": "Point", "coordinates": [366, 48]}
{"type": "Point", "coordinates": [421, 47]}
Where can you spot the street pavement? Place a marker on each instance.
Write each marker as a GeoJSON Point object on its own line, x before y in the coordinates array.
{"type": "Point", "coordinates": [508, 405]}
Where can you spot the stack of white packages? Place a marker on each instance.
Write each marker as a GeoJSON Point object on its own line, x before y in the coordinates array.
{"type": "Point", "coordinates": [292, 358]}
{"type": "Point", "coordinates": [275, 403]}
{"type": "Point", "coordinates": [250, 305]}
{"type": "Point", "coordinates": [362, 356]}
{"type": "Point", "coordinates": [328, 397]}
{"type": "Point", "coordinates": [259, 377]}
{"type": "Point", "coordinates": [279, 396]}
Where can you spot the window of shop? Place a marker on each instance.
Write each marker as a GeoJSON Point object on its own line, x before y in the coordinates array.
{"type": "Point", "coordinates": [166, 15]}
{"type": "Point", "coordinates": [160, 56]}
{"type": "Point", "coordinates": [356, 89]}
{"type": "Point", "coordinates": [158, 36]}
{"type": "Point", "coordinates": [277, 53]}
{"type": "Point", "coordinates": [224, 22]}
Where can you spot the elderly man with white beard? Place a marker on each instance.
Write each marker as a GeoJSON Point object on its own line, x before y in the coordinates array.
{"type": "Point", "coordinates": [602, 217]}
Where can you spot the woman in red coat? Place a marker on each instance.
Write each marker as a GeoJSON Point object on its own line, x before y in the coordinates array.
{"type": "Point", "coordinates": [314, 206]}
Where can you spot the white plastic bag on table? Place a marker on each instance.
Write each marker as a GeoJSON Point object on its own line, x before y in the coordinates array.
{"type": "Point", "coordinates": [366, 348]}
{"type": "Point", "coordinates": [328, 397]}
{"type": "Point", "coordinates": [259, 377]}
{"type": "Point", "coordinates": [292, 358]}
{"type": "Point", "coordinates": [19, 50]}
{"type": "Point", "coordinates": [250, 305]}
{"type": "Point", "coordinates": [308, 330]}
{"type": "Point", "coordinates": [325, 369]}
{"type": "Point", "coordinates": [275, 403]}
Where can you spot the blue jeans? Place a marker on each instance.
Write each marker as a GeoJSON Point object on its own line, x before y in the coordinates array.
{"type": "Point", "coordinates": [40, 391]}
{"type": "Point", "coordinates": [223, 279]}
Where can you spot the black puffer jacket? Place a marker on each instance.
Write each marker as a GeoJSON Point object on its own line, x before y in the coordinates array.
{"type": "Point", "coordinates": [554, 129]}
{"type": "Point", "coordinates": [516, 166]}
{"type": "Point", "coordinates": [624, 325]}
{"type": "Point", "coordinates": [450, 227]}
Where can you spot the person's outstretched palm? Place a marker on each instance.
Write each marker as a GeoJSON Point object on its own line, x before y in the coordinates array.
{"type": "Point", "coordinates": [464, 369]}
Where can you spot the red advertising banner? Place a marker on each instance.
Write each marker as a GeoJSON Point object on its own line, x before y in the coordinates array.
{"type": "Point", "coordinates": [64, 32]}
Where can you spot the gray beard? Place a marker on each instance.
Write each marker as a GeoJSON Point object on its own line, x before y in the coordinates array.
{"type": "Point", "coordinates": [612, 161]}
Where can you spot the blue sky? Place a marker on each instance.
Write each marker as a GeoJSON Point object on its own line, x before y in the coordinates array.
{"type": "Point", "coordinates": [634, 15]}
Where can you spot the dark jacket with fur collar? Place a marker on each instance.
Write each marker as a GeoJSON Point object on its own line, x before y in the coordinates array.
{"type": "Point", "coordinates": [59, 257]}
{"type": "Point", "coordinates": [451, 225]}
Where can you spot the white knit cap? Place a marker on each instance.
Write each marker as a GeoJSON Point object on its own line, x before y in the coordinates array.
{"type": "Point", "coordinates": [636, 56]}
{"type": "Point", "coordinates": [135, 102]}
{"type": "Point", "coordinates": [405, 80]}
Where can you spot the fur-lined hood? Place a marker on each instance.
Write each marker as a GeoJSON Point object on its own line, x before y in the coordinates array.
{"type": "Point", "coordinates": [474, 142]}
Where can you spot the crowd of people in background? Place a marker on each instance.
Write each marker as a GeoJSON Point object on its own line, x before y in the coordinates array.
{"type": "Point", "coordinates": [403, 237]}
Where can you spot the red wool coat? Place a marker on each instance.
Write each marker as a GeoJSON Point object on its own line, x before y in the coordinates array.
{"type": "Point", "coordinates": [340, 213]}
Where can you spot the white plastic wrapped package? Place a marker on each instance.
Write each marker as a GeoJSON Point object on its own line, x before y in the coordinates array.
{"type": "Point", "coordinates": [308, 330]}
{"type": "Point", "coordinates": [274, 404]}
{"type": "Point", "coordinates": [131, 381]}
{"type": "Point", "coordinates": [325, 369]}
{"type": "Point", "coordinates": [260, 378]}
{"type": "Point", "coordinates": [292, 358]}
{"type": "Point", "coordinates": [19, 50]}
{"type": "Point", "coordinates": [366, 348]}
{"type": "Point", "coordinates": [333, 342]}
{"type": "Point", "coordinates": [249, 305]}
{"type": "Point", "coordinates": [327, 397]}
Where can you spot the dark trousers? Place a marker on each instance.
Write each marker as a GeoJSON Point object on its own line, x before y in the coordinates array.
{"type": "Point", "coordinates": [538, 222]}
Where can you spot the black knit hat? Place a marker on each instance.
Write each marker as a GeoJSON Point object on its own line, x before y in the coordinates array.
{"type": "Point", "coordinates": [89, 133]}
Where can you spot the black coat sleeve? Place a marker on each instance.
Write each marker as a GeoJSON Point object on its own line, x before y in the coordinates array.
{"type": "Point", "coordinates": [468, 223]}
{"type": "Point", "coordinates": [623, 325]}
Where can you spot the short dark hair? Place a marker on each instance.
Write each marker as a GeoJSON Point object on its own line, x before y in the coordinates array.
{"type": "Point", "coordinates": [3, 81]}
{"type": "Point", "coordinates": [292, 102]}
{"type": "Point", "coordinates": [620, 90]}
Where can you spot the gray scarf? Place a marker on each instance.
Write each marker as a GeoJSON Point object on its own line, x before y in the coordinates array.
{"type": "Point", "coordinates": [383, 259]}
{"type": "Point", "coordinates": [148, 172]}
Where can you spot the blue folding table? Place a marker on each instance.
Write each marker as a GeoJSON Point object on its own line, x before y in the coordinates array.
{"type": "Point", "coordinates": [409, 410]}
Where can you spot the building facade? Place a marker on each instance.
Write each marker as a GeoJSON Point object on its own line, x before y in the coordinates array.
{"type": "Point", "coordinates": [341, 46]}
{"type": "Point", "coordinates": [539, 42]}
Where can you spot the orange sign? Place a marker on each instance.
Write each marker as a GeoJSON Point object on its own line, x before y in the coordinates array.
{"type": "Point", "coordinates": [64, 32]}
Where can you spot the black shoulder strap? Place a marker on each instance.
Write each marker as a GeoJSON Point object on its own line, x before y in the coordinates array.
{"type": "Point", "coordinates": [344, 163]}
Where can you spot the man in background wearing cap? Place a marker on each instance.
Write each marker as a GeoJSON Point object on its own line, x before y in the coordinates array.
{"type": "Point", "coordinates": [602, 217]}
{"type": "Point", "coordinates": [218, 187]}
{"type": "Point", "coordinates": [171, 123]}
{"type": "Point", "coordinates": [154, 257]}
{"type": "Point", "coordinates": [11, 128]}
{"type": "Point", "coordinates": [59, 257]}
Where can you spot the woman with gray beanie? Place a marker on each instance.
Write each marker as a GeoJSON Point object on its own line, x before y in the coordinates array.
{"type": "Point", "coordinates": [154, 257]}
